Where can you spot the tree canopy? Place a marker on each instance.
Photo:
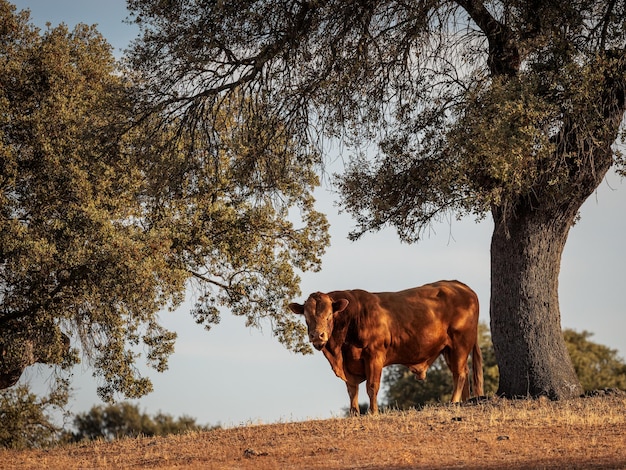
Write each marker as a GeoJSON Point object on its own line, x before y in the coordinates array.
{"type": "Point", "coordinates": [505, 108]}
{"type": "Point", "coordinates": [109, 214]}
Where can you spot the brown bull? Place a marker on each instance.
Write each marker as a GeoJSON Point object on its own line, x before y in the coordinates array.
{"type": "Point", "coordinates": [361, 332]}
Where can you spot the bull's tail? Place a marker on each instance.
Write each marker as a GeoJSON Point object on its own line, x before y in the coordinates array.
{"type": "Point", "coordinates": [477, 370]}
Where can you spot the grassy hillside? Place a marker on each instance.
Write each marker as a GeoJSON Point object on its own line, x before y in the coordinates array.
{"type": "Point", "coordinates": [583, 433]}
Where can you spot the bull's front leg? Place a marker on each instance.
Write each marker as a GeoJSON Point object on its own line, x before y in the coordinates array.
{"type": "Point", "coordinates": [353, 392]}
{"type": "Point", "coordinates": [372, 392]}
{"type": "Point", "coordinates": [374, 369]}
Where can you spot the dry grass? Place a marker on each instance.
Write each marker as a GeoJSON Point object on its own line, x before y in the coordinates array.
{"type": "Point", "coordinates": [587, 433]}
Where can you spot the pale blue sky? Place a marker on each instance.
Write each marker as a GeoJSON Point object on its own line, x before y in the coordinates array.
{"type": "Point", "coordinates": [234, 375]}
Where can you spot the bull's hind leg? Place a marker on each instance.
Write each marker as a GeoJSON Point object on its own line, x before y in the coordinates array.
{"type": "Point", "coordinates": [457, 362]}
{"type": "Point", "coordinates": [461, 386]}
{"type": "Point", "coordinates": [373, 371]}
{"type": "Point", "coordinates": [466, 386]}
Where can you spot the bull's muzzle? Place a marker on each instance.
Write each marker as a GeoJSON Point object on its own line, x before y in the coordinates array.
{"type": "Point", "coordinates": [318, 339]}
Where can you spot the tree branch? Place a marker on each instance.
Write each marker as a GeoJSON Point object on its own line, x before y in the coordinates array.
{"type": "Point", "coordinates": [210, 281]}
{"type": "Point", "coordinates": [504, 58]}
{"type": "Point", "coordinates": [605, 23]}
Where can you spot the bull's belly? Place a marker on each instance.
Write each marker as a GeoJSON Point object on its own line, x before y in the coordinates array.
{"type": "Point", "coordinates": [413, 353]}
{"type": "Point", "coordinates": [416, 363]}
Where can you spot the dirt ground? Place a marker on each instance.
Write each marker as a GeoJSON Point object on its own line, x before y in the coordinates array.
{"type": "Point", "coordinates": [586, 433]}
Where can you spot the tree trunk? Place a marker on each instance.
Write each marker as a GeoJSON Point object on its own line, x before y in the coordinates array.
{"type": "Point", "coordinates": [525, 318]}
{"type": "Point", "coordinates": [528, 240]}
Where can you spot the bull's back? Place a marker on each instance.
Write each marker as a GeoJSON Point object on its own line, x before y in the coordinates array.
{"type": "Point", "coordinates": [419, 322]}
{"type": "Point", "coordinates": [441, 301]}
{"type": "Point", "coordinates": [403, 315]}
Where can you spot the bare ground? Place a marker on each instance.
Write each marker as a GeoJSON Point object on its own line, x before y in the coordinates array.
{"type": "Point", "coordinates": [585, 433]}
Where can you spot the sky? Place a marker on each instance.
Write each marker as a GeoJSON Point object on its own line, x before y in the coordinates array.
{"type": "Point", "coordinates": [234, 375]}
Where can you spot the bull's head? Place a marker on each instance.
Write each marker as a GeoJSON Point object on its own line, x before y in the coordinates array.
{"type": "Point", "coordinates": [319, 311]}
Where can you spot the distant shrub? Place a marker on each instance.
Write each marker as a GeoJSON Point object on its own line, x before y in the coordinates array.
{"type": "Point", "coordinates": [125, 420]}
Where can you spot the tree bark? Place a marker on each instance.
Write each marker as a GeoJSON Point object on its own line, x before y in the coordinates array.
{"type": "Point", "coordinates": [525, 318]}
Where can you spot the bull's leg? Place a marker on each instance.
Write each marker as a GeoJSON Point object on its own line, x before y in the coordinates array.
{"type": "Point", "coordinates": [459, 383]}
{"type": "Point", "coordinates": [372, 392]}
{"type": "Point", "coordinates": [460, 371]}
{"type": "Point", "coordinates": [353, 392]}
{"type": "Point", "coordinates": [373, 371]}
{"type": "Point", "coordinates": [466, 386]}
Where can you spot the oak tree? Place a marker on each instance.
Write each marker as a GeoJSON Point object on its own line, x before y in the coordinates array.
{"type": "Point", "coordinates": [503, 108]}
{"type": "Point", "coordinates": [109, 214]}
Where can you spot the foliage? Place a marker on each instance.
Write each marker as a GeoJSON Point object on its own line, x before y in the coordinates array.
{"type": "Point", "coordinates": [125, 420]}
{"type": "Point", "coordinates": [492, 142]}
{"type": "Point", "coordinates": [472, 104]}
{"type": "Point", "coordinates": [109, 213]}
{"type": "Point", "coordinates": [597, 366]}
{"type": "Point", "coordinates": [25, 420]}
{"type": "Point", "coordinates": [229, 204]}
{"type": "Point", "coordinates": [72, 256]}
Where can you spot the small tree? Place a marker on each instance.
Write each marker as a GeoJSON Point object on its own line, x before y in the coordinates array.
{"type": "Point", "coordinates": [25, 420]}
{"type": "Point", "coordinates": [75, 263]}
{"type": "Point", "coordinates": [596, 365]}
{"type": "Point", "coordinates": [125, 420]}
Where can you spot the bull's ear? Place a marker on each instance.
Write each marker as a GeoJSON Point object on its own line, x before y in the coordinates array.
{"type": "Point", "coordinates": [297, 308]}
{"type": "Point", "coordinates": [340, 305]}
